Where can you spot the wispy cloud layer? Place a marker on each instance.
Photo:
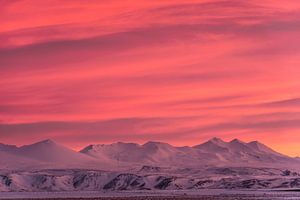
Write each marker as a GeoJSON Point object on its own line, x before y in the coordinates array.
{"type": "Point", "coordinates": [150, 70]}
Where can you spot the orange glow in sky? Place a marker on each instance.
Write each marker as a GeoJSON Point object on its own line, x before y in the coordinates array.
{"type": "Point", "coordinates": [177, 71]}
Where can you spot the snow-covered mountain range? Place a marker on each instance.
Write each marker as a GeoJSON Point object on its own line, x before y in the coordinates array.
{"type": "Point", "coordinates": [48, 166]}
{"type": "Point", "coordinates": [215, 152]}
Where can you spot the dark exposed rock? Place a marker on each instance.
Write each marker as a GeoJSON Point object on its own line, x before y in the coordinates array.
{"type": "Point", "coordinates": [203, 183]}
{"type": "Point", "coordinates": [242, 184]}
{"type": "Point", "coordinates": [295, 183]}
{"type": "Point", "coordinates": [147, 168]}
{"type": "Point", "coordinates": [88, 179]}
{"type": "Point", "coordinates": [163, 182]}
{"type": "Point", "coordinates": [78, 180]}
{"type": "Point", "coordinates": [125, 182]}
{"type": "Point", "coordinates": [286, 173]}
{"type": "Point", "coordinates": [6, 180]}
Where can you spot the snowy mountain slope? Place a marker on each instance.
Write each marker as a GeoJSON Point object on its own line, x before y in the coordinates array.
{"type": "Point", "coordinates": [117, 151]}
{"type": "Point", "coordinates": [237, 151]}
{"type": "Point", "coordinates": [263, 148]}
{"type": "Point", "coordinates": [8, 148]}
{"type": "Point", "coordinates": [11, 161]}
{"type": "Point", "coordinates": [49, 151]}
{"type": "Point", "coordinates": [157, 153]}
{"type": "Point", "coordinates": [45, 154]}
{"type": "Point", "coordinates": [214, 145]}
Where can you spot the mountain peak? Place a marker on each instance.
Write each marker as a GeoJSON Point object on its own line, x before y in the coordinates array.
{"type": "Point", "coordinates": [151, 145]}
{"type": "Point", "coordinates": [216, 140]}
{"type": "Point", "coordinates": [41, 144]}
{"type": "Point", "coordinates": [236, 141]}
{"type": "Point", "coordinates": [154, 143]}
{"type": "Point", "coordinates": [125, 143]}
{"type": "Point", "coordinates": [255, 143]}
{"type": "Point", "coordinates": [213, 145]}
{"type": "Point", "coordinates": [87, 148]}
{"type": "Point", "coordinates": [47, 141]}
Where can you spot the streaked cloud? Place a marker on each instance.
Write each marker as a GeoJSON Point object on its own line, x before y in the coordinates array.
{"type": "Point", "coordinates": [139, 70]}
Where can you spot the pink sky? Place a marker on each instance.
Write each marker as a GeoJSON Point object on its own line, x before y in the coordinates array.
{"type": "Point", "coordinates": [181, 72]}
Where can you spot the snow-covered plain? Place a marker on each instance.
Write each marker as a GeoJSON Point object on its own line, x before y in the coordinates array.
{"type": "Point", "coordinates": [161, 195]}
